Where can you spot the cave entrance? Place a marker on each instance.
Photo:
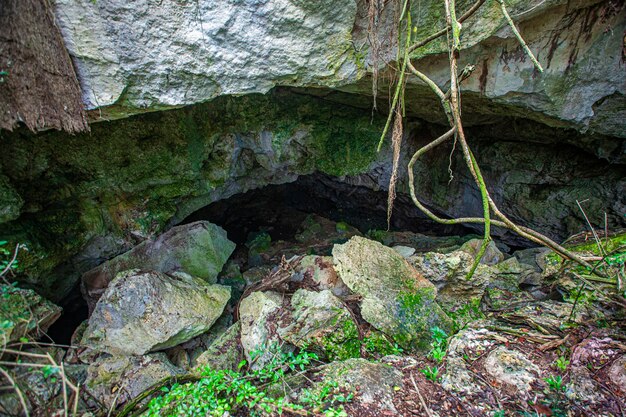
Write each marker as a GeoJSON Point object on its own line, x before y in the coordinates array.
{"type": "Point", "coordinates": [280, 211]}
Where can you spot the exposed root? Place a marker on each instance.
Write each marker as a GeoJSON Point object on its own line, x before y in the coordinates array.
{"type": "Point", "coordinates": [396, 143]}
{"type": "Point", "coordinates": [450, 102]}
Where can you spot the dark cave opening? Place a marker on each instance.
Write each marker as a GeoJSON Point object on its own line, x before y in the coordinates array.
{"type": "Point", "coordinates": [279, 209]}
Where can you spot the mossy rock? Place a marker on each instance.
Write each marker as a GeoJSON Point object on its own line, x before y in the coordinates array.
{"type": "Point", "coordinates": [224, 352]}
{"type": "Point", "coordinates": [397, 300]}
{"type": "Point", "coordinates": [320, 322]}
{"type": "Point", "coordinates": [24, 313]}
{"type": "Point", "coordinates": [143, 312]}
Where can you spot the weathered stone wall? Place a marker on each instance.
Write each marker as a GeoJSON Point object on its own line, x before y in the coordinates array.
{"type": "Point", "coordinates": [152, 55]}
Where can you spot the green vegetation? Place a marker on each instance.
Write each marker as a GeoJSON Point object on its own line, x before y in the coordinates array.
{"type": "Point", "coordinates": [218, 392]}
{"type": "Point", "coordinates": [431, 373]}
{"type": "Point", "coordinates": [439, 344]}
{"type": "Point", "coordinates": [466, 314]}
{"type": "Point", "coordinates": [561, 363]}
{"type": "Point", "coordinates": [555, 383]}
{"type": "Point", "coordinates": [346, 344]}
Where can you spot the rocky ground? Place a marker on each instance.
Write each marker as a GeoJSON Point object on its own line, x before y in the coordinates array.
{"type": "Point", "coordinates": [391, 322]}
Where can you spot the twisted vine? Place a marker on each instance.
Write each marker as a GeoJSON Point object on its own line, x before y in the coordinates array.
{"type": "Point", "coordinates": [450, 102]}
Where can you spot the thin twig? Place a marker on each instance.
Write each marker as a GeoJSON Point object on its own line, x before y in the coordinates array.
{"type": "Point", "coordinates": [426, 409]}
{"type": "Point", "coordinates": [580, 290]}
{"type": "Point", "coordinates": [17, 389]}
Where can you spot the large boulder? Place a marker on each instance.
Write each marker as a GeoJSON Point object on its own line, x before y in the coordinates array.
{"type": "Point", "coordinates": [114, 380]}
{"type": "Point", "coordinates": [396, 298]}
{"type": "Point", "coordinates": [142, 312]}
{"type": "Point", "coordinates": [199, 249]}
{"type": "Point", "coordinates": [317, 321]}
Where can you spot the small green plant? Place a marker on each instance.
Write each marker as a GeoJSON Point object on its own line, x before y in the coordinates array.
{"type": "Point", "coordinates": [431, 373]}
{"type": "Point", "coordinates": [555, 383]}
{"type": "Point", "coordinates": [438, 345]}
{"type": "Point", "coordinates": [437, 353]}
{"type": "Point", "coordinates": [499, 413]}
{"type": "Point", "coordinates": [561, 363]}
{"type": "Point", "coordinates": [226, 392]}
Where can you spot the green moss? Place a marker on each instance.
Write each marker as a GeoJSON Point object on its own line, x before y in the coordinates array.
{"type": "Point", "coordinates": [466, 314]}
{"type": "Point", "coordinates": [377, 344]}
{"type": "Point", "coordinates": [417, 312]}
{"type": "Point", "coordinates": [343, 344]}
{"type": "Point", "coordinates": [347, 149]}
{"type": "Point", "coordinates": [615, 246]}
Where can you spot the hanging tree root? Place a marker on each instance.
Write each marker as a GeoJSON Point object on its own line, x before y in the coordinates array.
{"type": "Point", "coordinates": [450, 102]}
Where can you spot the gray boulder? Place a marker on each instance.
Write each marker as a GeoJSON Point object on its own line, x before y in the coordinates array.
{"type": "Point", "coordinates": [115, 380]}
{"type": "Point", "coordinates": [258, 331]}
{"type": "Point", "coordinates": [199, 249]}
{"type": "Point", "coordinates": [143, 312]}
{"type": "Point", "coordinates": [396, 298]}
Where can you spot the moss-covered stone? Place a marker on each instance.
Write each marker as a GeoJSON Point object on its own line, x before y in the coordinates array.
{"type": "Point", "coordinates": [23, 313]}
{"type": "Point", "coordinates": [141, 312]}
{"type": "Point", "coordinates": [320, 322]}
{"type": "Point", "coordinates": [223, 353]}
{"type": "Point", "coordinates": [396, 299]}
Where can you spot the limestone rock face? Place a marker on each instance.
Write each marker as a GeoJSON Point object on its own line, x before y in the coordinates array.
{"type": "Point", "coordinates": [142, 312]}
{"type": "Point", "coordinates": [396, 298]}
{"type": "Point", "coordinates": [199, 249]}
{"type": "Point", "coordinates": [169, 54]}
{"type": "Point", "coordinates": [152, 57]}
{"type": "Point", "coordinates": [582, 85]}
